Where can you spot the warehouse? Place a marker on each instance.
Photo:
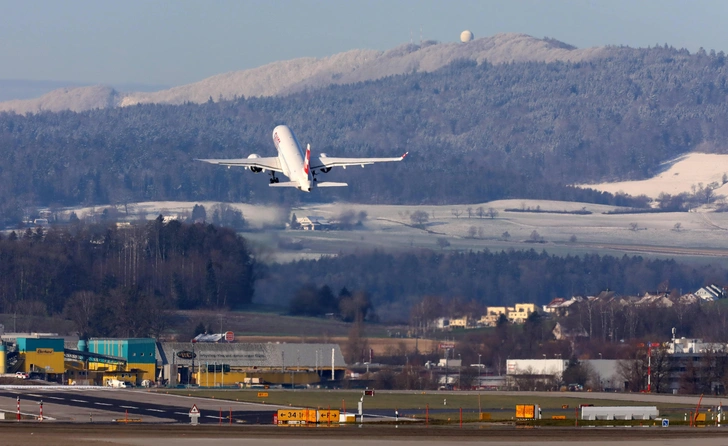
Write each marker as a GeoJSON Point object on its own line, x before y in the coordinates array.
{"type": "Point", "coordinates": [241, 364]}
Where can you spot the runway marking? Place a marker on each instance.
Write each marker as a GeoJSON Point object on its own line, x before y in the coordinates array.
{"type": "Point", "coordinates": [55, 398]}
{"type": "Point", "coordinates": [156, 410]}
{"type": "Point", "coordinates": [212, 416]}
{"type": "Point", "coordinates": [181, 413]}
{"type": "Point", "coordinates": [103, 404]}
{"type": "Point", "coordinates": [33, 394]}
{"type": "Point", "coordinates": [129, 407]}
{"type": "Point", "coordinates": [79, 401]}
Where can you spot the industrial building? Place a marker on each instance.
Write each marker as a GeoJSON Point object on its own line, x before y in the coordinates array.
{"type": "Point", "coordinates": [143, 361]}
{"type": "Point", "coordinates": [224, 364]}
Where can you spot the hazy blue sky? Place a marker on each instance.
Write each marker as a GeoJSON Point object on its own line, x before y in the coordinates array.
{"type": "Point", "coordinates": [175, 42]}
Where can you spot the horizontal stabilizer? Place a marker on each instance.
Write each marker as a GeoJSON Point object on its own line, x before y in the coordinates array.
{"type": "Point", "coordinates": [331, 184]}
{"type": "Point", "coordinates": [286, 184]}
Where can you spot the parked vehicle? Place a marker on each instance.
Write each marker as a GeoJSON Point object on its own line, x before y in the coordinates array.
{"type": "Point", "coordinates": [21, 375]}
{"type": "Point", "coordinates": [118, 384]}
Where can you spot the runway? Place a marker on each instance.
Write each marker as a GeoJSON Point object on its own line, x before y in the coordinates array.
{"type": "Point", "coordinates": [105, 405]}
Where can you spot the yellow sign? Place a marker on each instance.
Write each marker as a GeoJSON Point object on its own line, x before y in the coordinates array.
{"type": "Point", "coordinates": [44, 351]}
{"type": "Point", "coordinates": [527, 411]}
{"type": "Point", "coordinates": [328, 416]}
{"type": "Point", "coordinates": [558, 417]}
{"type": "Point", "coordinates": [262, 394]}
{"type": "Point", "coordinates": [300, 415]}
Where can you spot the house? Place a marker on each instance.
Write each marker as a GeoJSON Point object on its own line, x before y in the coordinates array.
{"type": "Point", "coordinates": [314, 223]}
{"type": "Point", "coordinates": [657, 300]}
{"type": "Point", "coordinates": [519, 313]}
{"type": "Point", "coordinates": [491, 316]}
{"type": "Point", "coordinates": [710, 293]}
{"type": "Point", "coordinates": [562, 333]}
{"type": "Point", "coordinates": [553, 306]}
{"type": "Point", "coordinates": [560, 306]}
{"type": "Point", "coordinates": [515, 315]}
{"type": "Point", "coordinates": [441, 323]}
{"type": "Point", "coordinates": [461, 322]}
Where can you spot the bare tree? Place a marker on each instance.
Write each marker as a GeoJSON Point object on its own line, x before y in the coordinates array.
{"type": "Point", "coordinates": [506, 236]}
{"type": "Point", "coordinates": [442, 243]}
{"type": "Point", "coordinates": [419, 218]}
{"type": "Point", "coordinates": [480, 212]}
{"type": "Point", "coordinates": [677, 227]}
{"type": "Point", "coordinates": [633, 226]}
{"type": "Point", "coordinates": [472, 231]}
{"type": "Point", "coordinates": [492, 213]}
{"type": "Point", "coordinates": [457, 212]}
{"type": "Point", "coordinates": [469, 210]}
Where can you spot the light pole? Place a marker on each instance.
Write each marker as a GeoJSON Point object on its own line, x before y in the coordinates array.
{"type": "Point", "coordinates": [600, 356]}
{"type": "Point", "coordinates": [479, 367]}
{"type": "Point", "coordinates": [460, 367]}
{"type": "Point", "coordinates": [447, 359]}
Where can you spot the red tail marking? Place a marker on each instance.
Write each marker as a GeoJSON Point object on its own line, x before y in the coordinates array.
{"type": "Point", "coordinates": [308, 157]}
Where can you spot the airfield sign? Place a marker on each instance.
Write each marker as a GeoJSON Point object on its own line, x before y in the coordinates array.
{"type": "Point", "coordinates": [194, 415]}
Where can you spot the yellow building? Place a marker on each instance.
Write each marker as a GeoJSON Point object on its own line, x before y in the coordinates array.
{"type": "Point", "coordinates": [515, 315]}
{"type": "Point", "coordinates": [519, 313]}
{"type": "Point", "coordinates": [459, 322]}
{"type": "Point", "coordinates": [492, 314]}
{"type": "Point", "coordinates": [41, 355]}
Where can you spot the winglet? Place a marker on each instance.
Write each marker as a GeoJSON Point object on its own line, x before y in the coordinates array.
{"type": "Point", "coordinates": [405, 154]}
{"type": "Point", "coordinates": [308, 158]}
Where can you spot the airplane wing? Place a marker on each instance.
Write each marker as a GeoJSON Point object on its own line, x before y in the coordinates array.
{"type": "Point", "coordinates": [270, 163]}
{"type": "Point", "coordinates": [327, 162]}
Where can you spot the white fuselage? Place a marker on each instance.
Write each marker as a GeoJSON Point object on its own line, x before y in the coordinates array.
{"type": "Point", "coordinates": [292, 158]}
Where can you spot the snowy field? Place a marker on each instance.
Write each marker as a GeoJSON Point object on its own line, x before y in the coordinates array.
{"type": "Point", "coordinates": [700, 236]}
{"type": "Point", "coordinates": [679, 175]}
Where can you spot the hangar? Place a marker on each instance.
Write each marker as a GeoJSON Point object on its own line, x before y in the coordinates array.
{"type": "Point", "coordinates": [225, 364]}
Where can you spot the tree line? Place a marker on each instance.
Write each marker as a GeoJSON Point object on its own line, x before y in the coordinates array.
{"type": "Point", "coordinates": [468, 281]}
{"type": "Point", "coordinates": [120, 281]}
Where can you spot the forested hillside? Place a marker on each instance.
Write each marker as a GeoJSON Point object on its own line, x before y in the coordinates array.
{"type": "Point", "coordinates": [475, 133]}
{"type": "Point", "coordinates": [469, 281]}
{"type": "Point", "coordinates": [120, 281]}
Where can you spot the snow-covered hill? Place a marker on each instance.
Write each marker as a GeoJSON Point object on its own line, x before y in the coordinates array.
{"type": "Point", "coordinates": [295, 75]}
{"type": "Point", "coordinates": [682, 174]}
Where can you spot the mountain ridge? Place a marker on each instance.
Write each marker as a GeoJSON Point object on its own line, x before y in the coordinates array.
{"type": "Point", "coordinates": [296, 75]}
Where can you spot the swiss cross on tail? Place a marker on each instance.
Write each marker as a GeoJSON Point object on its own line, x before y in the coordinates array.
{"type": "Point", "coordinates": [307, 161]}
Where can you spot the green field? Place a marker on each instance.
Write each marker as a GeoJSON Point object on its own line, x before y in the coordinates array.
{"type": "Point", "coordinates": [442, 406]}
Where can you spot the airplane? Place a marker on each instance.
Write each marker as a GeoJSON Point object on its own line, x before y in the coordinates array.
{"type": "Point", "coordinates": [300, 168]}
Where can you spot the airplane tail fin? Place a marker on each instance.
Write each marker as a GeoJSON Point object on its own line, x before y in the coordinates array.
{"type": "Point", "coordinates": [307, 161]}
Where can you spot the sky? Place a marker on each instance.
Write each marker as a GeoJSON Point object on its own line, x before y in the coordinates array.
{"type": "Point", "coordinates": [176, 42]}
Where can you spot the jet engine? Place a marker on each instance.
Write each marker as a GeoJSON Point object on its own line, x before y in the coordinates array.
{"type": "Point", "coordinates": [253, 168]}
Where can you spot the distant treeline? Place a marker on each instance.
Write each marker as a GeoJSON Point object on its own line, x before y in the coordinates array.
{"type": "Point", "coordinates": [120, 281]}
{"type": "Point", "coordinates": [395, 282]}
{"type": "Point", "coordinates": [475, 133]}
